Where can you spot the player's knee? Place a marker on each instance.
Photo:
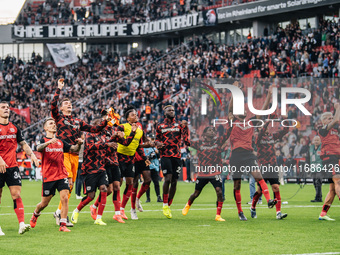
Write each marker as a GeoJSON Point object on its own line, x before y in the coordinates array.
{"type": "Point", "coordinates": [196, 193]}
{"type": "Point", "coordinates": [15, 195]}
{"type": "Point", "coordinates": [116, 187]}
{"type": "Point", "coordinates": [276, 188]}
{"type": "Point", "coordinates": [91, 195]}
{"type": "Point", "coordinates": [103, 188]}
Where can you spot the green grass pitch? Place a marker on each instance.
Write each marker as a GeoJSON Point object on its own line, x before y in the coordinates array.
{"type": "Point", "coordinates": [196, 233]}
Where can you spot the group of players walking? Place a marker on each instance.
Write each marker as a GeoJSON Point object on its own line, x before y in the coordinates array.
{"type": "Point", "coordinates": [115, 153]}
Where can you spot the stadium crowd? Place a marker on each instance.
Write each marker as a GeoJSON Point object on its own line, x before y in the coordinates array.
{"type": "Point", "coordinates": [288, 52]}
{"type": "Point", "coordinates": [115, 11]}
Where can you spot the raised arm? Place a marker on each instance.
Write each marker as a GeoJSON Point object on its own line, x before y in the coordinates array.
{"type": "Point", "coordinates": [92, 129]}
{"type": "Point", "coordinates": [91, 144]}
{"type": "Point", "coordinates": [54, 103]}
{"type": "Point", "coordinates": [185, 132]}
{"type": "Point", "coordinates": [29, 152]}
{"type": "Point", "coordinates": [42, 146]}
{"type": "Point", "coordinates": [336, 118]}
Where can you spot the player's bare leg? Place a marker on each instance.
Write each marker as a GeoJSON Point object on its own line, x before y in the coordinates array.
{"type": "Point", "coordinates": [133, 198]}
{"type": "Point", "coordinates": [1, 233]}
{"type": "Point", "coordinates": [126, 195]}
{"type": "Point", "coordinates": [260, 181]}
{"type": "Point", "coordinates": [41, 206]}
{"type": "Point", "coordinates": [172, 191]}
{"type": "Point", "coordinates": [336, 180]}
{"type": "Point", "coordinates": [166, 188]}
{"type": "Point", "coordinates": [101, 205]}
{"type": "Point", "coordinates": [145, 186]}
{"type": "Point", "coordinates": [57, 214]}
{"type": "Point", "coordinates": [19, 208]}
{"type": "Point", "coordinates": [116, 201]}
{"type": "Point", "coordinates": [279, 214]}
{"type": "Point", "coordinates": [328, 202]}
{"type": "Point", "coordinates": [237, 196]}
{"type": "Point", "coordinates": [219, 204]}
{"type": "Point", "coordinates": [64, 197]}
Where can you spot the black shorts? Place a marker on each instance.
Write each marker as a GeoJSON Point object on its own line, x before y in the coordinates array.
{"type": "Point", "coordinates": [330, 167]}
{"type": "Point", "coordinates": [140, 166]}
{"type": "Point", "coordinates": [11, 177]}
{"type": "Point", "coordinates": [242, 162]}
{"type": "Point", "coordinates": [171, 166]}
{"type": "Point", "coordinates": [272, 181]}
{"type": "Point", "coordinates": [216, 181]}
{"type": "Point", "coordinates": [113, 173]}
{"type": "Point", "coordinates": [50, 187]}
{"type": "Point", "coordinates": [127, 169]}
{"type": "Point", "coordinates": [94, 181]}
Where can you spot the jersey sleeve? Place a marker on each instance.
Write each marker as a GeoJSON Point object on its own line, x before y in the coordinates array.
{"type": "Point", "coordinates": [54, 105]}
{"type": "Point", "coordinates": [92, 129]}
{"type": "Point", "coordinates": [124, 141]}
{"type": "Point", "coordinates": [66, 146]}
{"type": "Point", "coordinates": [158, 134]}
{"type": "Point", "coordinates": [19, 134]}
{"type": "Point", "coordinates": [185, 135]}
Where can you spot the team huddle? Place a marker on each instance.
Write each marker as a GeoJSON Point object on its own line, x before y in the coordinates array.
{"type": "Point", "coordinates": [114, 153]}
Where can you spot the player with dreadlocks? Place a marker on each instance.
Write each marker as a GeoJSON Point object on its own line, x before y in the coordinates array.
{"type": "Point", "coordinates": [169, 134]}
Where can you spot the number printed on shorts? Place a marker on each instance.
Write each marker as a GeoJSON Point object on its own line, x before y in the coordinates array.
{"type": "Point", "coordinates": [178, 170]}
{"type": "Point", "coordinates": [218, 178]}
{"type": "Point", "coordinates": [17, 175]}
{"type": "Point", "coordinates": [65, 180]}
{"type": "Point", "coordinates": [106, 178]}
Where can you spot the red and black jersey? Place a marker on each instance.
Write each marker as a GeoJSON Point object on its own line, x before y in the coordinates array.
{"type": "Point", "coordinates": [171, 133]}
{"type": "Point", "coordinates": [10, 136]}
{"type": "Point", "coordinates": [265, 145]}
{"type": "Point", "coordinates": [330, 143]}
{"type": "Point", "coordinates": [94, 154]}
{"type": "Point", "coordinates": [52, 163]}
{"type": "Point", "coordinates": [69, 128]}
{"type": "Point", "coordinates": [209, 155]}
{"type": "Point", "coordinates": [111, 153]}
{"type": "Point", "coordinates": [242, 137]}
{"type": "Point", "coordinates": [140, 154]}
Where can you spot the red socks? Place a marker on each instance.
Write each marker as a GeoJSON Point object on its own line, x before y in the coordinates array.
{"type": "Point", "coordinates": [325, 209]}
{"type": "Point", "coordinates": [189, 202]}
{"type": "Point", "coordinates": [126, 196]}
{"type": "Point", "coordinates": [237, 196]}
{"type": "Point", "coordinates": [219, 208]}
{"type": "Point", "coordinates": [142, 190]}
{"type": "Point", "coordinates": [264, 189]}
{"type": "Point", "coordinates": [133, 198]}
{"type": "Point", "coordinates": [256, 198]}
{"type": "Point", "coordinates": [165, 198]}
{"type": "Point", "coordinates": [19, 209]}
{"type": "Point", "coordinates": [102, 203]}
{"type": "Point", "coordinates": [97, 201]}
{"type": "Point", "coordinates": [116, 200]}
{"type": "Point", "coordinates": [86, 200]}
{"type": "Point", "coordinates": [278, 197]}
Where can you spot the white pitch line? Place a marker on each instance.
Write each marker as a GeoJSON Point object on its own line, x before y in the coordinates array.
{"type": "Point", "coordinates": [323, 253]}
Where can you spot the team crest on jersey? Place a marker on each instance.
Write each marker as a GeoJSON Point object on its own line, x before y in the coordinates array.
{"type": "Point", "coordinates": [97, 139]}
{"type": "Point", "coordinates": [59, 143]}
{"type": "Point", "coordinates": [12, 129]}
{"type": "Point", "coordinates": [46, 192]}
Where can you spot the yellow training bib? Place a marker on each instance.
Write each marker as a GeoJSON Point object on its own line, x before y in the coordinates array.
{"type": "Point", "coordinates": [131, 149]}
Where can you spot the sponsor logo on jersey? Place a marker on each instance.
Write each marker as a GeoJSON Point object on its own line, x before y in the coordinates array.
{"type": "Point", "coordinates": [170, 130]}
{"type": "Point", "coordinates": [69, 124]}
{"type": "Point", "coordinates": [8, 136]}
{"type": "Point", "coordinates": [59, 143]}
{"type": "Point", "coordinates": [54, 149]}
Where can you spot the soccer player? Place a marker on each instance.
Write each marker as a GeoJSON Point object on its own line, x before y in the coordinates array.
{"type": "Point", "coordinates": [54, 172]}
{"type": "Point", "coordinates": [266, 157]}
{"type": "Point", "coordinates": [126, 154]}
{"type": "Point", "coordinates": [94, 172]}
{"type": "Point", "coordinates": [209, 154]}
{"type": "Point", "coordinates": [242, 156]}
{"type": "Point", "coordinates": [330, 153]}
{"type": "Point", "coordinates": [10, 137]}
{"type": "Point", "coordinates": [315, 164]}
{"type": "Point", "coordinates": [169, 134]}
{"type": "Point", "coordinates": [141, 168]}
{"type": "Point", "coordinates": [112, 169]}
{"type": "Point", "coordinates": [69, 130]}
